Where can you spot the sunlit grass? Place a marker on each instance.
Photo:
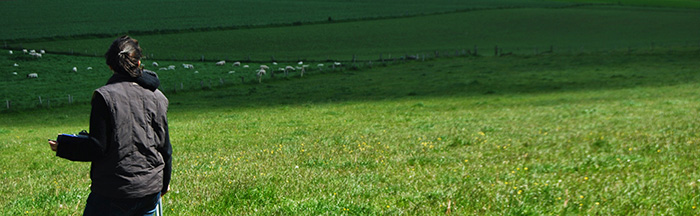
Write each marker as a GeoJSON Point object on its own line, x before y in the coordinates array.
{"type": "Point", "coordinates": [533, 135]}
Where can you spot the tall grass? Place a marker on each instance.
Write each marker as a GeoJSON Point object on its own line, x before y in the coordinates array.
{"type": "Point", "coordinates": [580, 134]}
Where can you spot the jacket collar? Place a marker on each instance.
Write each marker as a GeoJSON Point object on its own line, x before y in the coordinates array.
{"type": "Point", "coordinates": [148, 79]}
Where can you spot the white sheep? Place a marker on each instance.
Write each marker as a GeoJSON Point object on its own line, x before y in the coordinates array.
{"type": "Point", "coordinates": [162, 68]}
{"type": "Point", "coordinates": [42, 51]}
{"type": "Point", "coordinates": [14, 73]}
{"type": "Point", "coordinates": [303, 69]}
{"type": "Point", "coordinates": [10, 52]}
{"type": "Point", "coordinates": [89, 68]}
{"type": "Point", "coordinates": [221, 63]}
{"type": "Point", "coordinates": [300, 63]}
{"type": "Point", "coordinates": [237, 64]}
{"type": "Point", "coordinates": [246, 66]}
{"type": "Point", "coordinates": [188, 66]}
{"type": "Point", "coordinates": [260, 73]}
{"type": "Point", "coordinates": [155, 64]}
{"type": "Point", "coordinates": [171, 67]}
{"type": "Point", "coordinates": [264, 67]}
{"type": "Point", "coordinates": [274, 63]}
{"type": "Point", "coordinates": [286, 70]}
{"type": "Point", "coordinates": [16, 65]}
{"type": "Point", "coordinates": [38, 55]}
{"type": "Point", "coordinates": [196, 72]}
{"type": "Point", "coordinates": [25, 51]}
{"type": "Point", "coordinates": [75, 69]}
{"type": "Point", "coordinates": [33, 75]}
{"type": "Point", "coordinates": [231, 72]}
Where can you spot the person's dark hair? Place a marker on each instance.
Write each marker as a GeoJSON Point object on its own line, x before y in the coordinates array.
{"type": "Point", "coordinates": [124, 55]}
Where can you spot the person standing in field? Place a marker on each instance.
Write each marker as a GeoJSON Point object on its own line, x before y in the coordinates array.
{"type": "Point", "coordinates": [129, 143]}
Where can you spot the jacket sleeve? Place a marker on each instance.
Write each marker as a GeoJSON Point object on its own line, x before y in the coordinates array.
{"type": "Point", "coordinates": [92, 146]}
{"type": "Point", "coordinates": [166, 152]}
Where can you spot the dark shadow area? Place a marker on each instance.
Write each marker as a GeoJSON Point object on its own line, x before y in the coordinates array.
{"type": "Point", "coordinates": [460, 77]}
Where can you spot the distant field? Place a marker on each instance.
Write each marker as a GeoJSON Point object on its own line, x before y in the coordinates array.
{"type": "Point", "coordinates": [560, 134]}
{"type": "Point", "coordinates": [652, 3]}
{"type": "Point", "coordinates": [524, 31]}
{"type": "Point", "coordinates": [45, 18]}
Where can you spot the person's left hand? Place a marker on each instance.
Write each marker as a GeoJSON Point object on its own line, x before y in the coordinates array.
{"type": "Point", "coordinates": [53, 144]}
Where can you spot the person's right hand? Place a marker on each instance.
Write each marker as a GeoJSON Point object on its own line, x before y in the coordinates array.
{"type": "Point", "coordinates": [53, 144]}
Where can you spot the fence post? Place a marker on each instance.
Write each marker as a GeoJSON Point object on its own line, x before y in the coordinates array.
{"type": "Point", "coordinates": [8, 104]}
{"type": "Point", "coordinates": [40, 102]}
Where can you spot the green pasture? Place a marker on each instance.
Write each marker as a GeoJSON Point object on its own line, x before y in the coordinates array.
{"type": "Point", "coordinates": [553, 134]}
{"type": "Point", "coordinates": [647, 3]}
{"type": "Point", "coordinates": [590, 107]}
{"type": "Point", "coordinates": [520, 31]}
{"type": "Point", "coordinates": [45, 19]}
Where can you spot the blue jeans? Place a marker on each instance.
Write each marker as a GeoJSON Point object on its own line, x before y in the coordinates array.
{"type": "Point", "coordinates": [100, 205]}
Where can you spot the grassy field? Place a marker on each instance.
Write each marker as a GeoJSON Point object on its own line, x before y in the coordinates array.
{"type": "Point", "coordinates": [43, 19]}
{"type": "Point", "coordinates": [71, 18]}
{"type": "Point", "coordinates": [559, 134]}
{"type": "Point", "coordinates": [524, 31]}
{"type": "Point", "coordinates": [648, 3]}
{"type": "Point", "coordinates": [604, 124]}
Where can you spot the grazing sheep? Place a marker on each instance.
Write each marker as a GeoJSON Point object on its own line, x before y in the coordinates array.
{"type": "Point", "coordinates": [188, 66]}
{"type": "Point", "coordinates": [286, 70]}
{"type": "Point", "coordinates": [260, 73]}
{"type": "Point", "coordinates": [38, 55]}
{"type": "Point", "coordinates": [303, 69]}
{"type": "Point", "coordinates": [264, 67]}
{"type": "Point", "coordinates": [231, 72]}
{"type": "Point", "coordinates": [162, 68]}
{"type": "Point", "coordinates": [274, 63]}
{"type": "Point", "coordinates": [42, 51]}
{"type": "Point", "coordinates": [10, 52]}
{"type": "Point", "coordinates": [155, 64]}
{"type": "Point", "coordinates": [89, 68]}
{"type": "Point", "coordinates": [237, 64]}
{"type": "Point", "coordinates": [196, 72]}
{"type": "Point", "coordinates": [33, 75]}
{"type": "Point", "coordinates": [14, 73]}
{"type": "Point", "coordinates": [25, 51]}
{"type": "Point", "coordinates": [300, 63]}
{"type": "Point", "coordinates": [246, 66]}
{"type": "Point", "coordinates": [221, 63]}
{"type": "Point", "coordinates": [75, 69]}
{"type": "Point", "coordinates": [320, 67]}
{"type": "Point", "coordinates": [16, 65]}
{"type": "Point", "coordinates": [171, 67]}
